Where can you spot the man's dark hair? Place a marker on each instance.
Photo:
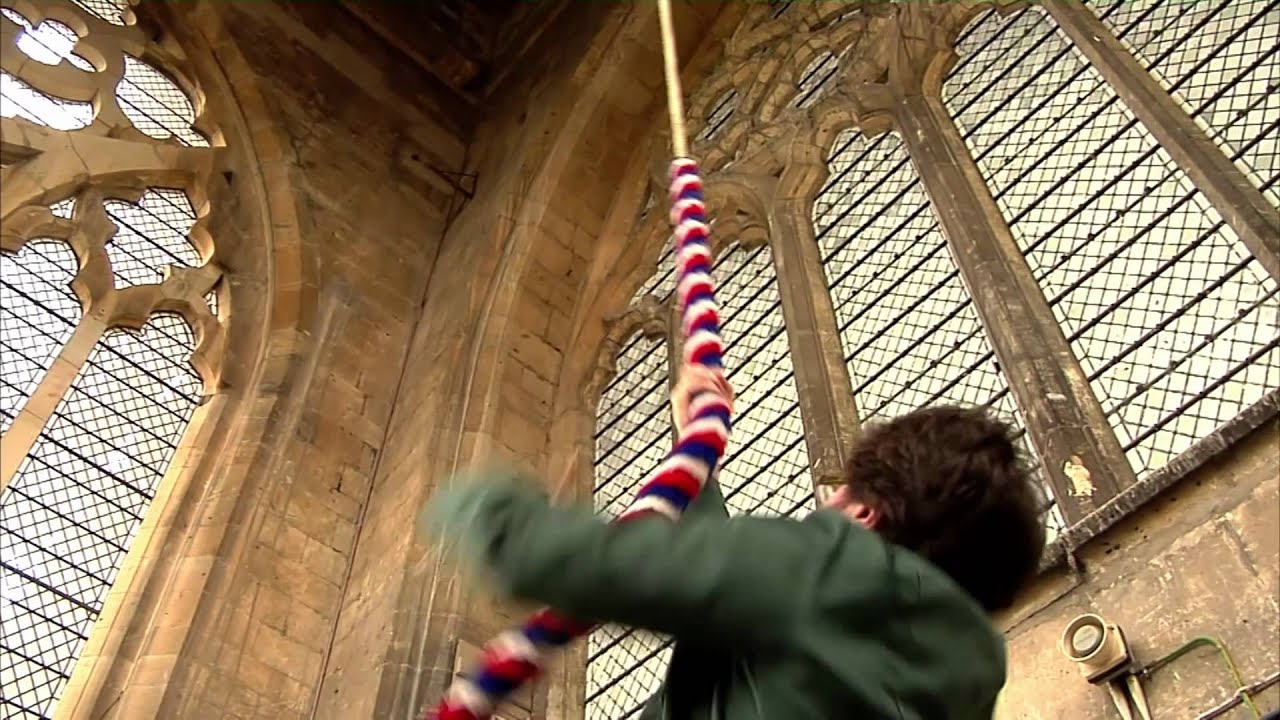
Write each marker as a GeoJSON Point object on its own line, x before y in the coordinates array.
{"type": "Point", "coordinates": [949, 484]}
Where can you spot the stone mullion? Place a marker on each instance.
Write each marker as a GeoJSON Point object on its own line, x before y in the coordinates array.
{"type": "Point", "coordinates": [1244, 208]}
{"type": "Point", "coordinates": [1083, 460]}
{"type": "Point", "coordinates": [30, 421]}
{"type": "Point", "coordinates": [1065, 422]}
{"type": "Point", "coordinates": [87, 235]}
{"type": "Point", "coordinates": [823, 387]}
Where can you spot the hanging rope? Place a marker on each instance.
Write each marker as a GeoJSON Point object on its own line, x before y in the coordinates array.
{"type": "Point", "coordinates": [516, 656]}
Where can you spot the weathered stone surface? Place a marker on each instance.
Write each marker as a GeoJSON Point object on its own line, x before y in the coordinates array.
{"type": "Point", "coordinates": [1200, 560]}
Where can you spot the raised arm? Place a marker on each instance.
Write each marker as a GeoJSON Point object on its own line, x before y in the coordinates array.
{"type": "Point", "coordinates": [692, 380]}
{"type": "Point", "coordinates": [740, 580]}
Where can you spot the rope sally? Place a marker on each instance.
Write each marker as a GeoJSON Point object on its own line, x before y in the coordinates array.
{"type": "Point", "coordinates": [516, 656]}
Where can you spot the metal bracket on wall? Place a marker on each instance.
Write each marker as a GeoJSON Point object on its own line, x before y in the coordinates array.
{"type": "Point", "coordinates": [457, 180]}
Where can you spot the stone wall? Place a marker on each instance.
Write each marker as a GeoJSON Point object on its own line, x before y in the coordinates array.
{"type": "Point", "coordinates": [484, 365]}
{"type": "Point", "coordinates": [347, 142]}
{"type": "Point", "coordinates": [1202, 559]}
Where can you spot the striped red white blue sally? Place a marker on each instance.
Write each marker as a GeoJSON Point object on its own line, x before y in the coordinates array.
{"type": "Point", "coordinates": [516, 656]}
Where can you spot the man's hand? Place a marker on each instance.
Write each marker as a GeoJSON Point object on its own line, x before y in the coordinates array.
{"type": "Point", "coordinates": [695, 380]}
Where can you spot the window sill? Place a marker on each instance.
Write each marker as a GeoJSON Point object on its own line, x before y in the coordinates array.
{"type": "Point", "coordinates": [1144, 491]}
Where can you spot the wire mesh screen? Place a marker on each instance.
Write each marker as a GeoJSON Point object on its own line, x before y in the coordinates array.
{"type": "Point", "coordinates": [766, 470]}
{"type": "Point", "coordinates": [18, 99]}
{"type": "Point", "coordinates": [815, 78]}
{"type": "Point", "coordinates": [1221, 60]}
{"type": "Point", "coordinates": [68, 517]}
{"type": "Point", "coordinates": [155, 105]}
{"type": "Point", "coordinates": [63, 209]}
{"type": "Point", "coordinates": [719, 116]}
{"type": "Point", "coordinates": [1174, 323]}
{"type": "Point", "coordinates": [633, 433]}
{"type": "Point", "coordinates": [663, 281]}
{"type": "Point", "coordinates": [110, 10]}
{"type": "Point", "coordinates": [150, 236]}
{"type": "Point", "coordinates": [633, 430]}
{"type": "Point", "coordinates": [152, 102]}
{"type": "Point", "coordinates": [910, 334]}
{"type": "Point", "coordinates": [38, 312]}
{"type": "Point", "coordinates": [49, 43]}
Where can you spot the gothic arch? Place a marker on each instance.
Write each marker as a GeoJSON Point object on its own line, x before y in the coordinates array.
{"type": "Point", "coordinates": [251, 257]}
{"type": "Point", "coordinates": [274, 274]}
{"type": "Point", "coordinates": [647, 316]}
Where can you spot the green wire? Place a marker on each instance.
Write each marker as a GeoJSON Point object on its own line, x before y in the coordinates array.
{"type": "Point", "coordinates": [1200, 641]}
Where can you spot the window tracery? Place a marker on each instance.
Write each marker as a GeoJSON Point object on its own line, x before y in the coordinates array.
{"type": "Point", "coordinates": [110, 341]}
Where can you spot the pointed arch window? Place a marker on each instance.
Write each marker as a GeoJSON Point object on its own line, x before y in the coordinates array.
{"type": "Point", "coordinates": [1171, 317]}
{"type": "Point", "coordinates": [633, 434]}
{"type": "Point", "coordinates": [108, 328]}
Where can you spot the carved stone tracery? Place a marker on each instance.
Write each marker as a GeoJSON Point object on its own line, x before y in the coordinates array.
{"type": "Point", "coordinates": [102, 169]}
{"type": "Point", "coordinates": [109, 159]}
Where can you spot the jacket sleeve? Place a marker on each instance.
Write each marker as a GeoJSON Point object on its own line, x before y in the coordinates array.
{"type": "Point", "coordinates": [710, 501]}
{"type": "Point", "coordinates": [737, 580]}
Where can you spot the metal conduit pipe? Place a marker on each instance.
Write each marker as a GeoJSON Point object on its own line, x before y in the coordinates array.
{"type": "Point", "coordinates": [1247, 691]}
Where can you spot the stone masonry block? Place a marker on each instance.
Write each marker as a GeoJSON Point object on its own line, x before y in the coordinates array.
{"type": "Point", "coordinates": [1254, 526]}
{"type": "Point", "coordinates": [325, 561]}
{"type": "Point", "coordinates": [532, 408]}
{"type": "Point", "coordinates": [256, 676]}
{"type": "Point", "coordinates": [353, 483]}
{"type": "Point", "coordinates": [557, 225]}
{"type": "Point", "coordinates": [295, 580]}
{"type": "Point", "coordinates": [305, 625]}
{"type": "Point", "coordinates": [536, 354]}
{"type": "Point", "coordinates": [292, 542]}
{"type": "Point", "coordinates": [559, 330]}
{"type": "Point", "coordinates": [558, 291]}
{"type": "Point", "coordinates": [533, 315]}
{"type": "Point", "coordinates": [310, 514]}
{"type": "Point", "coordinates": [240, 700]}
{"type": "Point", "coordinates": [272, 607]}
{"type": "Point", "coordinates": [369, 431]}
{"type": "Point", "coordinates": [289, 657]}
{"type": "Point", "coordinates": [540, 388]}
{"type": "Point", "coordinates": [523, 437]}
{"type": "Point", "coordinates": [555, 256]}
{"type": "Point", "coordinates": [368, 459]}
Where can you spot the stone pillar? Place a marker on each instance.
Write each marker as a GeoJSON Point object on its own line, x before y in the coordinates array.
{"type": "Point", "coordinates": [822, 377]}
{"type": "Point", "coordinates": [1253, 218]}
{"type": "Point", "coordinates": [1083, 459]}
{"type": "Point", "coordinates": [767, 199]}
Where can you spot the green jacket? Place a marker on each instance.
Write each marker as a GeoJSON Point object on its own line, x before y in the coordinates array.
{"type": "Point", "coordinates": [774, 618]}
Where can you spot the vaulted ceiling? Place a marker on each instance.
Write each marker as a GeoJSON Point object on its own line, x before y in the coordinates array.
{"type": "Point", "coordinates": [469, 45]}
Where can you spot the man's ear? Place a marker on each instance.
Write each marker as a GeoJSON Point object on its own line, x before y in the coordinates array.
{"type": "Point", "coordinates": [863, 514]}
